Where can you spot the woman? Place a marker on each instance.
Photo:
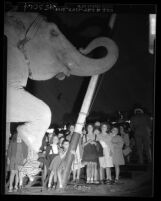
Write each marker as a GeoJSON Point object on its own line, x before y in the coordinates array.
{"type": "Point", "coordinates": [17, 154]}
{"type": "Point", "coordinates": [106, 160]}
{"type": "Point", "coordinates": [90, 155]}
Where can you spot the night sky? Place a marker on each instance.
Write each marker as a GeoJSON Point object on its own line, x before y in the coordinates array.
{"type": "Point", "coordinates": [129, 82]}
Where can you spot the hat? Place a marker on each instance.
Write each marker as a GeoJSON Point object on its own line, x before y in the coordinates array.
{"type": "Point", "coordinates": [138, 110]}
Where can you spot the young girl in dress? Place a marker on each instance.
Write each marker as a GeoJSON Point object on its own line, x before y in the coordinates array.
{"type": "Point", "coordinates": [106, 160]}
{"type": "Point", "coordinates": [17, 154]}
{"type": "Point", "coordinates": [90, 154]}
{"type": "Point", "coordinates": [30, 168]}
{"type": "Point", "coordinates": [117, 154]}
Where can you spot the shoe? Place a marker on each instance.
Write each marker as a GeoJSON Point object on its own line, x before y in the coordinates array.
{"type": "Point", "coordinates": [15, 189]}
{"type": "Point", "coordinates": [54, 186]}
{"type": "Point", "coordinates": [101, 182]}
{"type": "Point", "coordinates": [109, 182]}
{"type": "Point", "coordinates": [116, 181]}
{"type": "Point", "coordinates": [96, 182]}
{"type": "Point", "coordinates": [73, 181]}
{"type": "Point", "coordinates": [10, 190]}
{"type": "Point", "coordinates": [88, 182]}
{"type": "Point", "coordinates": [77, 181]}
{"type": "Point", "coordinates": [49, 188]}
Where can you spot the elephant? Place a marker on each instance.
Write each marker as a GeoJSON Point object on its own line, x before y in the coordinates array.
{"type": "Point", "coordinates": [38, 50]}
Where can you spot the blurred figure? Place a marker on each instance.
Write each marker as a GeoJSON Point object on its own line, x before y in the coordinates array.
{"type": "Point", "coordinates": [97, 124]}
{"type": "Point", "coordinates": [17, 154]}
{"type": "Point", "coordinates": [70, 132]}
{"type": "Point", "coordinates": [126, 149]}
{"type": "Point", "coordinates": [117, 154]}
{"type": "Point", "coordinates": [141, 125]}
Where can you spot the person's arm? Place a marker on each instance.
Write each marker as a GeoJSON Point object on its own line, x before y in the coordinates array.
{"type": "Point", "coordinates": [9, 151]}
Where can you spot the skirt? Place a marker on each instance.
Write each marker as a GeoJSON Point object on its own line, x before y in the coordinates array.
{"type": "Point", "coordinates": [90, 153]}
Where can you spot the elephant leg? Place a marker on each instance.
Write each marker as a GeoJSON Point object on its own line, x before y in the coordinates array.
{"type": "Point", "coordinates": [36, 115]}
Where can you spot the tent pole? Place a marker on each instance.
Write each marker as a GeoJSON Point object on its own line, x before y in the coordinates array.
{"type": "Point", "coordinates": [81, 120]}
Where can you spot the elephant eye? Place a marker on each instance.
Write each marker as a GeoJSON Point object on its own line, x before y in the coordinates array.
{"type": "Point", "coordinates": [53, 33]}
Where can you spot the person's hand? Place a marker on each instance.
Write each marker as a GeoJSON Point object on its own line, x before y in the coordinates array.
{"type": "Point", "coordinates": [72, 152]}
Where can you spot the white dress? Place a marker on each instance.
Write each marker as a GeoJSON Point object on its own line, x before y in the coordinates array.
{"type": "Point", "coordinates": [106, 160]}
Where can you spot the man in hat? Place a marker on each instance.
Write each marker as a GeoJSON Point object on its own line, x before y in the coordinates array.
{"type": "Point", "coordinates": [141, 125]}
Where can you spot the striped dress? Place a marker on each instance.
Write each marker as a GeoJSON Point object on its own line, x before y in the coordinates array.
{"type": "Point", "coordinates": [31, 167]}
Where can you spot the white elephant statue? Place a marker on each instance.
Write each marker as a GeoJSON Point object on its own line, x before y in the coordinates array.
{"type": "Point", "coordinates": [37, 49]}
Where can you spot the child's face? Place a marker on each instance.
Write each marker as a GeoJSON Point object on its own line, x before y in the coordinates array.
{"type": "Point", "coordinates": [115, 131]}
{"type": "Point", "coordinates": [55, 140]}
{"type": "Point", "coordinates": [71, 128]}
{"type": "Point", "coordinates": [104, 128]}
{"type": "Point", "coordinates": [90, 128]}
{"type": "Point", "coordinates": [66, 145]}
{"type": "Point", "coordinates": [60, 135]}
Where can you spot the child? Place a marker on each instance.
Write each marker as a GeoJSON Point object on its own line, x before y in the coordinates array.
{"type": "Point", "coordinates": [17, 154]}
{"type": "Point", "coordinates": [90, 154]}
{"type": "Point", "coordinates": [106, 160]}
{"type": "Point", "coordinates": [30, 168]}
{"type": "Point", "coordinates": [55, 167]}
{"type": "Point", "coordinates": [77, 165]}
{"type": "Point", "coordinates": [117, 154]}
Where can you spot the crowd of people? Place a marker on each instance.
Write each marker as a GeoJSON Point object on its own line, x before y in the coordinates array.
{"type": "Point", "coordinates": [101, 147]}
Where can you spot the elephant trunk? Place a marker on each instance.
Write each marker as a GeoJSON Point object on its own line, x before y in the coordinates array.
{"type": "Point", "coordinates": [89, 66]}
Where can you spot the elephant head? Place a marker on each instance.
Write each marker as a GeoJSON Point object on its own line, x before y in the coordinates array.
{"type": "Point", "coordinates": [49, 53]}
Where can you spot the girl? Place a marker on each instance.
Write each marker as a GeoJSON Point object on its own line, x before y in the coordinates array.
{"type": "Point", "coordinates": [117, 154]}
{"type": "Point", "coordinates": [17, 154]}
{"type": "Point", "coordinates": [90, 154]}
{"type": "Point", "coordinates": [106, 160]}
{"type": "Point", "coordinates": [30, 168]}
{"type": "Point", "coordinates": [77, 165]}
{"type": "Point", "coordinates": [96, 132]}
{"type": "Point", "coordinates": [70, 132]}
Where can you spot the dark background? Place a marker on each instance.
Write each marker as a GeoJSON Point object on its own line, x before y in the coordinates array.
{"type": "Point", "coordinates": [129, 83]}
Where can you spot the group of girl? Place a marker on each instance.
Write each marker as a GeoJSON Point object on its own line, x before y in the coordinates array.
{"type": "Point", "coordinates": [111, 156]}
{"type": "Point", "coordinates": [99, 149]}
